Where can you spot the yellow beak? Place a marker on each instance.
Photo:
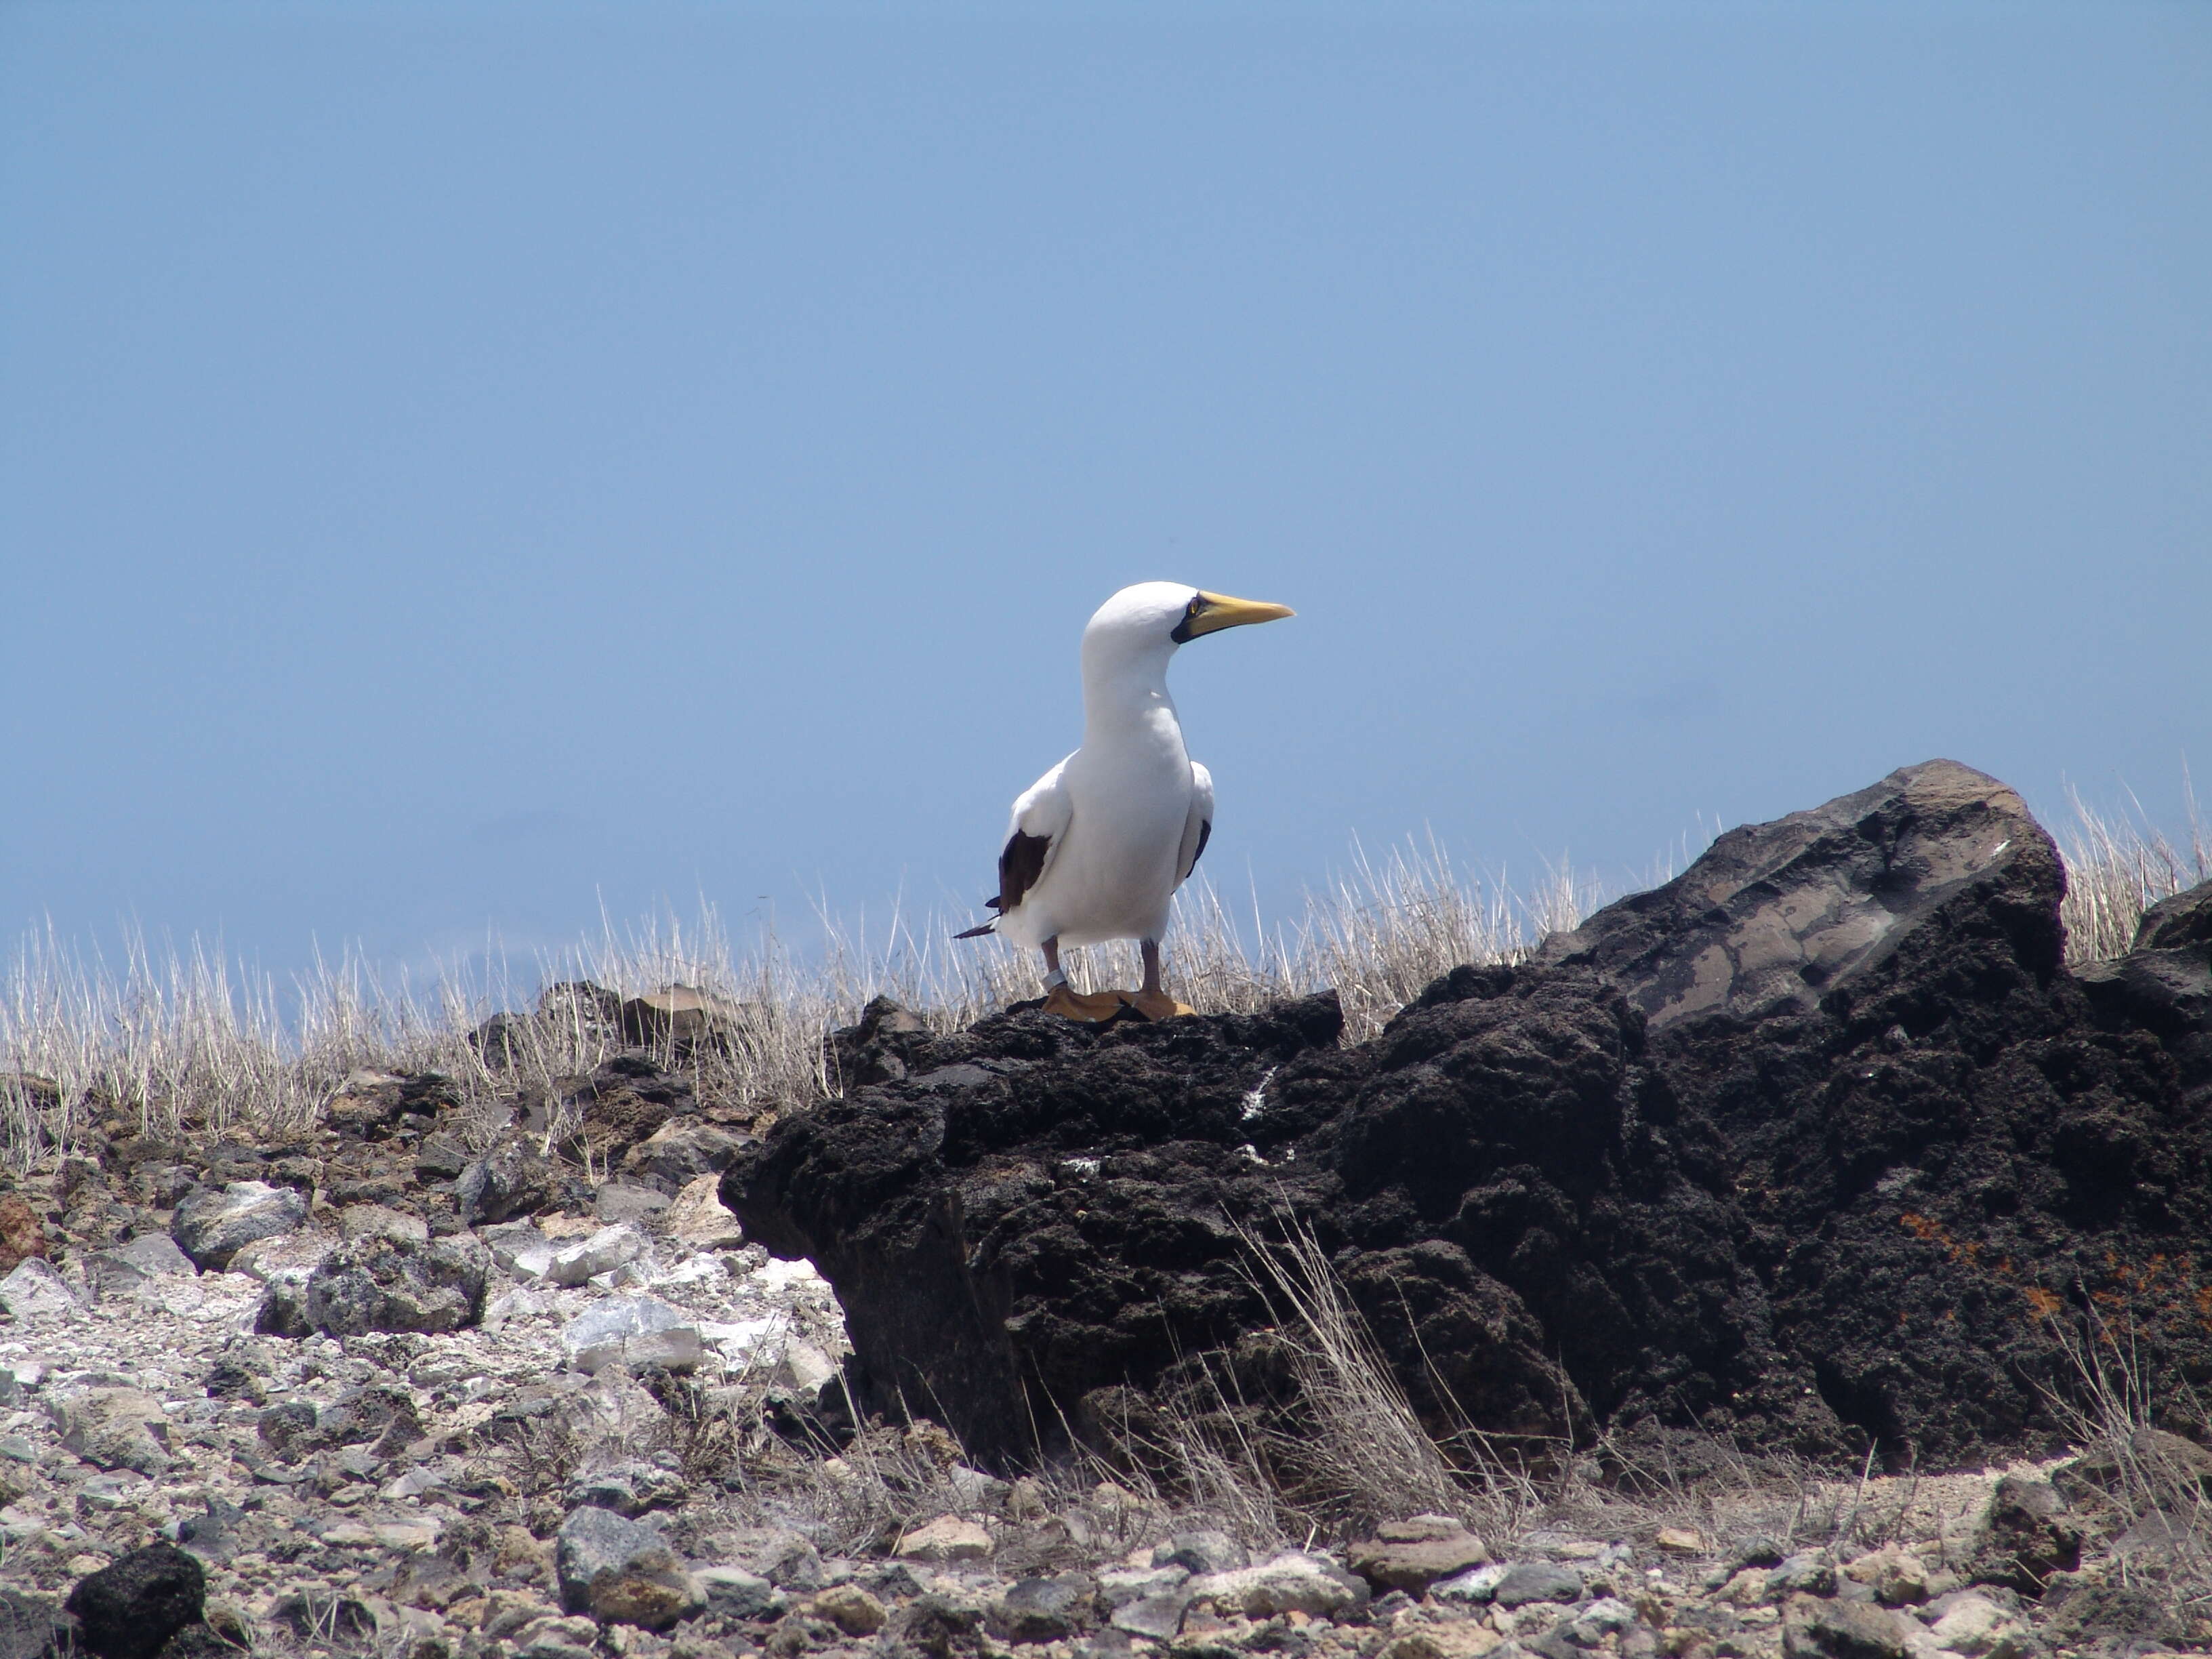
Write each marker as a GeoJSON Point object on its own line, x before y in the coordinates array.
{"type": "Point", "coordinates": [1217, 610]}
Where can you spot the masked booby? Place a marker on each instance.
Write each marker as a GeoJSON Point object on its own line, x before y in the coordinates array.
{"type": "Point", "coordinates": [1098, 844]}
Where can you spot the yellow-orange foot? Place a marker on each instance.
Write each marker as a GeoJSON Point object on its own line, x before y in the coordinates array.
{"type": "Point", "coordinates": [1158, 1005]}
{"type": "Point", "coordinates": [1095, 1009]}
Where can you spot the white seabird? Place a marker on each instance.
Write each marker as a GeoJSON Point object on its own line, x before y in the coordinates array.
{"type": "Point", "coordinates": [1098, 844]}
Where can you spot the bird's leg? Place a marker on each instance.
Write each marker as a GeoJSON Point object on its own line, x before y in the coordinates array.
{"type": "Point", "coordinates": [1068, 1003]}
{"type": "Point", "coordinates": [1152, 1001]}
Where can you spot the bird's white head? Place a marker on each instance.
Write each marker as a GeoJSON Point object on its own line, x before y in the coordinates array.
{"type": "Point", "coordinates": [1143, 624]}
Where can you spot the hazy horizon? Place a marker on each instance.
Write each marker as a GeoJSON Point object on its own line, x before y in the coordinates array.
{"type": "Point", "coordinates": [465, 467]}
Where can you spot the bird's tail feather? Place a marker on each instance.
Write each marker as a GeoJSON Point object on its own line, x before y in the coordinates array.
{"type": "Point", "coordinates": [978, 933]}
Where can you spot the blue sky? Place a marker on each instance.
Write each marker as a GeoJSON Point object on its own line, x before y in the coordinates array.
{"type": "Point", "coordinates": [462, 465]}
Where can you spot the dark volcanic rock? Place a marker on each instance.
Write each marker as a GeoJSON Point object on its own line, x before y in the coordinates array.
{"type": "Point", "coordinates": [1774, 917]}
{"type": "Point", "coordinates": [510, 1180]}
{"type": "Point", "coordinates": [383, 1283]}
{"type": "Point", "coordinates": [622, 1572]}
{"type": "Point", "coordinates": [129, 1609]}
{"type": "Point", "coordinates": [1809, 1146]}
{"type": "Point", "coordinates": [2181, 922]}
{"type": "Point", "coordinates": [1059, 1224]}
{"type": "Point", "coordinates": [2026, 1536]}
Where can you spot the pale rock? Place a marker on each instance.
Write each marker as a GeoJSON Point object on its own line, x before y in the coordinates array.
{"type": "Point", "coordinates": [606, 1332]}
{"type": "Point", "coordinates": [948, 1538]}
{"type": "Point", "coordinates": [212, 1225]}
{"type": "Point", "coordinates": [1292, 1581]}
{"type": "Point", "coordinates": [1679, 1540]}
{"type": "Point", "coordinates": [115, 1428]}
{"type": "Point", "coordinates": [806, 1368]}
{"type": "Point", "coordinates": [1473, 1588]}
{"type": "Point", "coordinates": [851, 1608]}
{"type": "Point", "coordinates": [519, 1248]}
{"type": "Point", "coordinates": [1411, 1555]}
{"type": "Point", "coordinates": [32, 1290]}
{"type": "Point", "coordinates": [1972, 1624]}
{"type": "Point", "coordinates": [1897, 1576]}
{"type": "Point", "coordinates": [605, 1250]}
{"type": "Point", "coordinates": [697, 1218]}
{"type": "Point", "coordinates": [288, 1256]}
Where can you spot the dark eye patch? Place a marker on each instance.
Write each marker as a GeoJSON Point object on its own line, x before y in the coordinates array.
{"type": "Point", "coordinates": [1181, 635]}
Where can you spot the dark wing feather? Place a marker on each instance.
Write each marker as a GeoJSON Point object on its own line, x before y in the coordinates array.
{"type": "Point", "coordinates": [1019, 867]}
{"type": "Point", "coordinates": [1205, 835]}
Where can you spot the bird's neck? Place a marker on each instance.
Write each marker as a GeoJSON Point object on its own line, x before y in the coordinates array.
{"type": "Point", "coordinates": [1128, 704]}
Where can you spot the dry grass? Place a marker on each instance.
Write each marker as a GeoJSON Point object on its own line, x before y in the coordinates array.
{"type": "Point", "coordinates": [2116, 867]}
{"type": "Point", "coordinates": [186, 1042]}
{"type": "Point", "coordinates": [2145, 1487]}
{"type": "Point", "coordinates": [183, 1041]}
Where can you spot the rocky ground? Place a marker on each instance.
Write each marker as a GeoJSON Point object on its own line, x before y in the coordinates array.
{"type": "Point", "coordinates": [442, 1379]}
{"type": "Point", "coordinates": [600, 1427]}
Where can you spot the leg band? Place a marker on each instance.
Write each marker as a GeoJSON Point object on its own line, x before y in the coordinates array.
{"type": "Point", "coordinates": [1056, 978]}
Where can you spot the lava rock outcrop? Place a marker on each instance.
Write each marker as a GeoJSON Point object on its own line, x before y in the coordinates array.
{"type": "Point", "coordinates": [1818, 1144]}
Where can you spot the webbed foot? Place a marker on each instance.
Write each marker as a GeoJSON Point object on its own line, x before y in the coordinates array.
{"type": "Point", "coordinates": [1094, 1009]}
{"type": "Point", "coordinates": [1157, 1005]}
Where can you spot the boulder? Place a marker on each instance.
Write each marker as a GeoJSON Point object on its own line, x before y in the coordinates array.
{"type": "Point", "coordinates": [851, 1608]}
{"type": "Point", "coordinates": [1815, 1628]}
{"type": "Point", "coordinates": [115, 1428]}
{"type": "Point", "coordinates": [621, 1572]}
{"type": "Point", "coordinates": [379, 1282]}
{"type": "Point", "coordinates": [1537, 1581]}
{"type": "Point", "coordinates": [1292, 1581]}
{"type": "Point", "coordinates": [1411, 1555]}
{"type": "Point", "coordinates": [1804, 1148]}
{"type": "Point", "coordinates": [605, 1250]}
{"type": "Point", "coordinates": [1774, 917]}
{"type": "Point", "coordinates": [635, 1330]}
{"type": "Point", "coordinates": [1203, 1551]}
{"type": "Point", "coordinates": [1042, 1609]}
{"type": "Point", "coordinates": [212, 1225]}
{"type": "Point", "coordinates": [34, 1289]}
{"type": "Point", "coordinates": [682, 1016]}
{"type": "Point", "coordinates": [22, 1235]}
{"type": "Point", "coordinates": [512, 1179]}
{"type": "Point", "coordinates": [948, 1538]}
{"type": "Point", "coordinates": [732, 1592]}
{"type": "Point", "coordinates": [2025, 1535]}
{"type": "Point", "coordinates": [698, 1219]}
{"type": "Point", "coordinates": [678, 1152]}
{"type": "Point", "coordinates": [2182, 922]}
{"type": "Point", "coordinates": [130, 1609]}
